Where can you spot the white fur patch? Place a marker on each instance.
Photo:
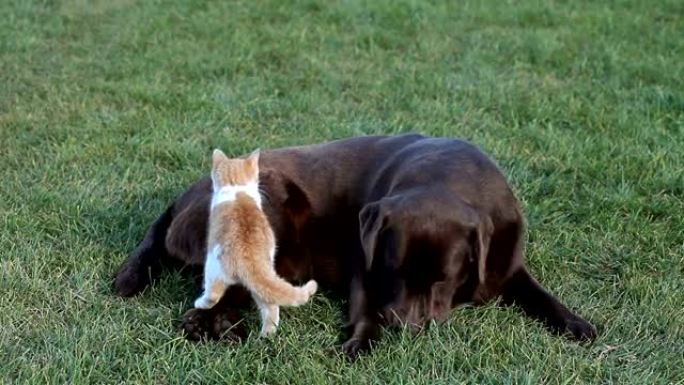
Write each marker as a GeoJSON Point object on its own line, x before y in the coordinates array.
{"type": "Point", "coordinates": [229, 193]}
{"type": "Point", "coordinates": [213, 269]}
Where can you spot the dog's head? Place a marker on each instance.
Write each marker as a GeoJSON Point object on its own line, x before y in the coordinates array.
{"type": "Point", "coordinates": [419, 253]}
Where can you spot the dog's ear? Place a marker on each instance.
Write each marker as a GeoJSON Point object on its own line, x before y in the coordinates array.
{"type": "Point", "coordinates": [372, 220]}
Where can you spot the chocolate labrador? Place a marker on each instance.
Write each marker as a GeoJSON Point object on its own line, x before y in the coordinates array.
{"type": "Point", "coordinates": [406, 227]}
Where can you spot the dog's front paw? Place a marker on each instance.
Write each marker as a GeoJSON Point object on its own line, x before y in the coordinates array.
{"type": "Point", "coordinates": [129, 281]}
{"type": "Point", "coordinates": [200, 324]}
{"type": "Point", "coordinates": [194, 325]}
{"type": "Point", "coordinates": [354, 347]}
{"type": "Point", "coordinates": [580, 330]}
{"type": "Point", "coordinates": [227, 325]}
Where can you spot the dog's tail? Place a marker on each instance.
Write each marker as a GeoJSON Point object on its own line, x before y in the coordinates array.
{"type": "Point", "coordinates": [262, 279]}
{"type": "Point", "coordinates": [145, 262]}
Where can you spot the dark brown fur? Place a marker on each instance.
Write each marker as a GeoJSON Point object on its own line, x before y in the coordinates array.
{"type": "Point", "coordinates": [406, 227]}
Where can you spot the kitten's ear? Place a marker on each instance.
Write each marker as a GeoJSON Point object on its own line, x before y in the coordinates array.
{"type": "Point", "coordinates": [253, 159]}
{"type": "Point", "coordinates": [215, 185]}
{"type": "Point", "coordinates": [218, 156]}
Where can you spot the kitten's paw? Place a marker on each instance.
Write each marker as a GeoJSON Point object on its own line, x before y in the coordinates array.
{"type": "Point", "coordinates": [203, 303]}
{"type": "Point", "coordinates": [268, 330]}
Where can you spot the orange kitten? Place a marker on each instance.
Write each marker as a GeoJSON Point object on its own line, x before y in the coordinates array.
{"type": "Point", "coordinates": [241, 244]}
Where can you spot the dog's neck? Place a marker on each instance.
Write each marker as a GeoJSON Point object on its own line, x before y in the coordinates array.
{"type": "Point", "coordinates": [229, 193]}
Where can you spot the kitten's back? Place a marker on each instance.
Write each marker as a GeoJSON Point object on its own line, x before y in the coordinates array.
{"type": "Point", "coordinates": [250, 243]}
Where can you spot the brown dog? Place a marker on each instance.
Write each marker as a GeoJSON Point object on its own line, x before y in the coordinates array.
{"type": "Point", "coordinates": [406, 226]}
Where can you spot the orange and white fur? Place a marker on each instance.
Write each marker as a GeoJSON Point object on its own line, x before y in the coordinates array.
{"type": "Point", "coordinates": [241, 244]}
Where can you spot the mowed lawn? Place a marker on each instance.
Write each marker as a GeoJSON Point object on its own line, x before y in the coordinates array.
{"type": "Point", "coordinates": [110, 108]}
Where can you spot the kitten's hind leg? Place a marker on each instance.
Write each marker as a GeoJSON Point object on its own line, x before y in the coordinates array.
{"type": "Point", "coordinates": [211, 295]}
{"type": "Point", "coordinates": [270, 317]}
{"type": "Point", "coordinates": [215, 280]}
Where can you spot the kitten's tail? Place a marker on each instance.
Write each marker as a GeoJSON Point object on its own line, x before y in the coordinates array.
{"type": "Point", "coordinates": [271, 288]}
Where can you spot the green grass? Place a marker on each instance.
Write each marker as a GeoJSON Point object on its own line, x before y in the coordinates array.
{"type": "Point", "coordinates": [108, 109]}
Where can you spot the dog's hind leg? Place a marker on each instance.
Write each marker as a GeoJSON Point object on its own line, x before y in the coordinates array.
{"type": "Point", "coordinates": [145, 263]}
